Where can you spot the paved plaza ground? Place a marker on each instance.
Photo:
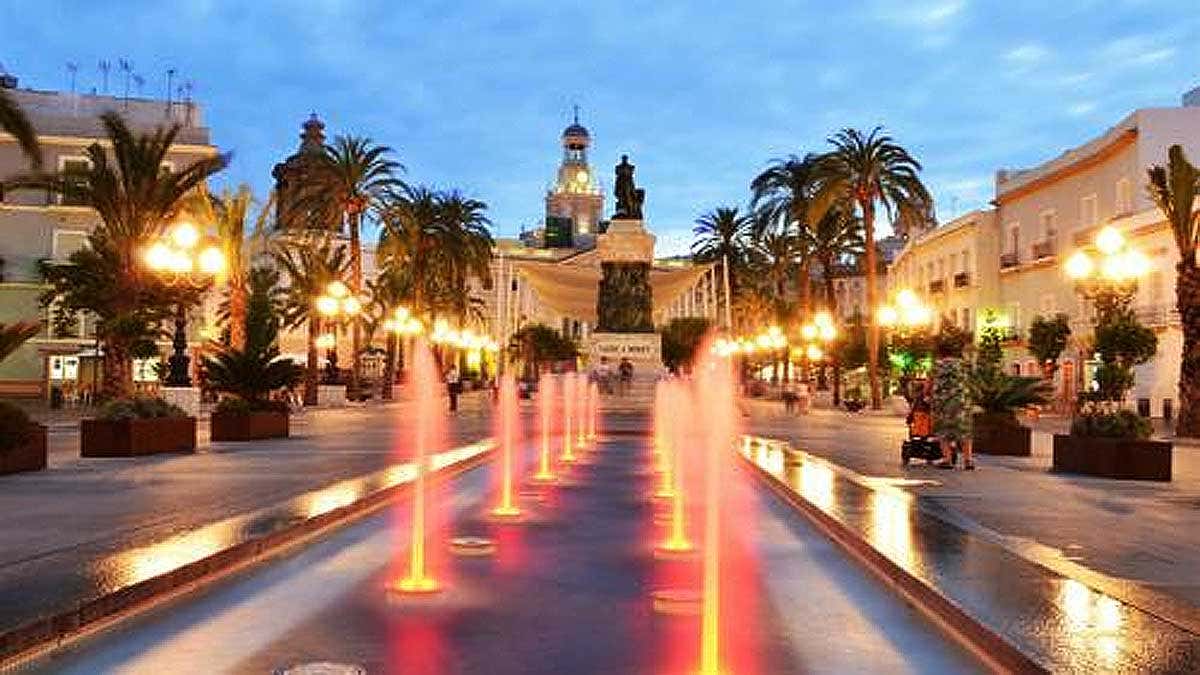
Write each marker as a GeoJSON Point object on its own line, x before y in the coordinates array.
{"type": "Point", "coordinates": [1131, 531]}
{"type": "Point", "coordinates": [66, 530]}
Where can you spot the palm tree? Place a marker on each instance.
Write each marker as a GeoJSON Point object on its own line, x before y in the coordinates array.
{"type": "Point", "coordinates": [393, 288]}
{"type": "Point", "coordinates": [836, 237]}
{"type": "Point", "coordinates": [469, 250]}
{"type": "Point", "coordinates": [136, 198]}
{"type": "Point", "coordinates": [13, 121]}
{"type": "Point", "coordinates": [782, 198]}
{"type": "Point", "coordinates": [1174, 189]}
{"type": "Point", "coordinates": [354, 178]}
{"type": "Point", "coordinates": [228, 213]}
{"type": "Point", "coordinates": [13, 335]}
{"type": "Point", "coordinates": [866, 171]}
{"type": "Point", "coordinates": [412, 236]}
{"type": "Point", "coordinates": [721, 237]}
{"type": "Point", "coordinates": [310, 264]}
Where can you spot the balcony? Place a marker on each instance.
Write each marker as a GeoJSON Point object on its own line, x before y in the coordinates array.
{"type": "Point", "coordinates": [1008, 260]}
{"type": "Point", "coordinates": [1043, 249]}
{"type": "Point", "coordinates": [962, 279]}
{"type": "Point", "coordinates": [1158, 315]}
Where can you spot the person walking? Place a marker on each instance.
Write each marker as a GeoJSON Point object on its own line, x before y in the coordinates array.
{"type": "Point", "coordinates": [952, 408]}
{"type": "Point", "coordinates": [626, 369]}
{"type": "Point", "coordinates": [453, 386]}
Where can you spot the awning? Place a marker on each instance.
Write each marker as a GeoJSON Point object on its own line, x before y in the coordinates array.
{"type": "Point", "coordinates": [571, 290]}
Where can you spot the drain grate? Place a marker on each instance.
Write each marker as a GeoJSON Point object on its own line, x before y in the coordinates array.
{"type": "Point", "coordinates": [322, 668]}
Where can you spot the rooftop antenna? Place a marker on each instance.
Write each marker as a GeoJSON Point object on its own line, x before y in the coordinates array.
{"type": "Point", "coordinates": [105, 65]}
{"type": "Point", "coordinates": [576, 109]}
{"type": "Point", "coordinates": [127, 68]}
{"type": "Point", "coordinates": [185, 92]}
{"type": "Point", "coordinates": [72, 69]}
{"type": "Point", "coordinates": [170, 80]}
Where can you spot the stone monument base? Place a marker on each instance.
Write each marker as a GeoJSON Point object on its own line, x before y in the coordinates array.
{"type": "Point", "coordinates": [643, 349]}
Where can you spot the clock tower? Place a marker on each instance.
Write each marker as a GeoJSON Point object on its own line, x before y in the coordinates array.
{"type": "Point", "coordinates": [576, 192]}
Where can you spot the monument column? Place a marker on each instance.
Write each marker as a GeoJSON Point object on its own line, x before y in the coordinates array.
{"type": "Point", "coordinates": [624, 305]}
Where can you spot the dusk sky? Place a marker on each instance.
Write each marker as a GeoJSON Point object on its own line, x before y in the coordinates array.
{"type": "Point", "coordinates": [700, 95]}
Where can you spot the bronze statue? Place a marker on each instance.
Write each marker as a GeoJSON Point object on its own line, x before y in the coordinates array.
{"type": "Point", "coordinates": [629, 197]}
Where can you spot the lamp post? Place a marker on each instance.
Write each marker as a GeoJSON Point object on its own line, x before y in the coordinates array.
{"type": "Point", "coordinates": [818, 335]}
{"type": "Point", "coordinates": [906, 314]}
{"type": "Point", "coordinates": [400, 326]}
{"type": "Point", "coordinates": [183, 261]}
{"type": "Point", "coordinates": [334, 305]}
{"type": "Point", "coordinates": [1110, 278]}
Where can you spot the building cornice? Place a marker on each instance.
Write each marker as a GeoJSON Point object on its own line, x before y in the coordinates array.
{"type": "Point", "coordinates": [77, 141]}
{"type": "Point", "coordinates": [1073, 162]}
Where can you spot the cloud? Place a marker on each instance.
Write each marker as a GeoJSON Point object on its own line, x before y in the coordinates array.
{"type": "Point", "coordinates": [1027, 54]}
{"type": "Point", "coordinates": [1082, 108]}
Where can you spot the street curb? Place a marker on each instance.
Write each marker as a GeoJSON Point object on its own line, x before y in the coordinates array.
{"type": "Point", "coordinates": [988, 645]}
{"type": "Point", "coordinates": [23, 643]}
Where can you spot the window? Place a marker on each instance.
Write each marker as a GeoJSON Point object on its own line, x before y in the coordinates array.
{"type": "Point", "coordinates": [1014, 238]}
{"type": "Point", "coordinates": [64, 367]}
{"type": "Point", "coordinates": [1046, 221]}
{"type": "Point", "coordinates": [1088, 213]}
{"type": "Point", "coordinates": [74, 171]}
{"type": "Point", "coordinates": [1124, 197]}
{"type": "Point", "coordinates": [145, 370]}
{"type": "Point", "coordinates": [67, 242]}
{"type": "Point", "coordinates": [1014, 315]}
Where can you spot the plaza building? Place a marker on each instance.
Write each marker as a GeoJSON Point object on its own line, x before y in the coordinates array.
{"type": "Point", "coordinates": [952, 268]}
{"type": "Point", "coordinates": [1010, 258]}
{"type": "Point", "coordinates": [40, 226]}
{"type": "Point", "coordinates": [850, 281]}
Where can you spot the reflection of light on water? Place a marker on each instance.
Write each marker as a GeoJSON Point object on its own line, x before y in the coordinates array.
{"type": "Point", "coordinates": [1093, 619]}
{"type": "Point", "coordinates": [891, 527]}
{"type": "Point", "coordinates": [816, 484]}
{"type": "Point", "coordinates": [139, 564]}
{"type": "Point", "coordinates": [400, 473]}
{"type": "Point", "coordinates": [445, 459]}
{"type": "Point", "coordinates": [333, 497]}
{"type": "Point", "coordinates": [771, 458]}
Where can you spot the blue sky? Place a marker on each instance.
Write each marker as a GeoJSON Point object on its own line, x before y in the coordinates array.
{"type": "Point", "coordinates": [701, 95]}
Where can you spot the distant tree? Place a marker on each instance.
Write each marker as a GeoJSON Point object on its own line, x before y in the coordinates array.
{"type": "Point", "coordinates": [1047, 340]}
{"type": "Point", "coordinates": [1122, 343]}
{"type": "Point", "coordinates": [13, 335]}
{"type": "Point", "coordinates": [680, 340]}
{"type": "Point", "coordinates": [720, 237]}
{"type": "Point", "coordinates": [537, 344]}
{"type": "Point", "coordinates": [782, 197]}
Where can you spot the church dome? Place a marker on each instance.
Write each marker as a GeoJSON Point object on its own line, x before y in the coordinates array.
{"type": "Point", "coordinates": [576, 130]}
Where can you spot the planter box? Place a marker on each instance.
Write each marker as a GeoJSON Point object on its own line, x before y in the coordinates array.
{"type": "Point", "coordinates": [1000, 436]}
{"type": "Point", "coordinates": [1112, 457]}
{"type": "Point", "coordinates": [30, 456]}
{"type": "Point", "coordinates": [134, 437]}
{"type": "Point", "coordinates": [331, 395]}
{"type": "Point", "coordinates": [249, 427]}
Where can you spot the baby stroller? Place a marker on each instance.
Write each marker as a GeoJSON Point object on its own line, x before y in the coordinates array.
{"type": "Point", "coordinates": [921, 443]}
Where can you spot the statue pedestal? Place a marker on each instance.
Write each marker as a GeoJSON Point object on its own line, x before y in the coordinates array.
{"type": "Point", "coordinates": [626, 241]}
{"type": "Point", "coordinates": [643, 349]}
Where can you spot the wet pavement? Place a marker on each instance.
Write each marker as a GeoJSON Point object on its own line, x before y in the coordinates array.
{"type": "Point", "coordinates": [568, 591]}
{"type": "Point", "coordinates": [1140, 536]}
{"type": "Point", "coordinates": [86, 528]}
{"type": "Point", "coordinates": [1060, 622]}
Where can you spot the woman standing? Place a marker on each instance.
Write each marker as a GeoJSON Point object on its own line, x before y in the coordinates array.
{"type": "Point", "coordinates": [952, 406]}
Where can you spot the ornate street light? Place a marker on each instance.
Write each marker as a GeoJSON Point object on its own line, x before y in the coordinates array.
{"type": "Point", "coordinates": [906, 313]}
{"type": "Point", "coordinates": [334, 305]}
{"type": "Point", "coordinates": [183, 262]}
{"type": "Point", "coordinates": [1110, 278]}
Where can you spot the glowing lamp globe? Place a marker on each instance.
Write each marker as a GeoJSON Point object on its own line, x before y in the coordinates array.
{"type": "Point", "coordinates": [887, 316]}
{"type": "Point", "coordinates": [211, 260]}
{"type": "Point", "coordinates": [808, 332]}
{"type": "Point", "coordinates": [814, 353]}
{"type": "Point", "coordinates": [327, 305]}
{"type": "Point", "coordinates": [1080, 266]}
{"type": "Point", "coordinates": [1109, 240]}
{"type": "Point", "coordinates": [337, 289]}
{"type": "Point", "coordinates": [185, 235]}
{"type": "Point", "coordinates": [158, 257]}
{"type": "Point", "coordinates": [906, 298]}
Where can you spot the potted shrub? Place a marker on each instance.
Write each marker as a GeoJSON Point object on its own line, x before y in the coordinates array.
{"type": "Point", "coordinates": [1107, 439]}
{"type": "Point", "coordinates": [246, 377]}
{"type": "Point", "coordinates": [22, 441]}
{"type": "Point", "coordinates": [1111, 442]}
{"type": "Point", "coordinates": [141, 425]}
{"type": "Point", "coordinates": [995, 429]}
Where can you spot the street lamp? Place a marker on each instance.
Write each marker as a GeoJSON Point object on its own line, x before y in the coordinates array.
{"type": "Point", "coordinates": [1110, 278]}
{"type": "Point", "coordinates": [334, 304]}
{"type": "Point", "coordinates": [179, 257]}
{"type": "Point", "coordinates": [818, 335]}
